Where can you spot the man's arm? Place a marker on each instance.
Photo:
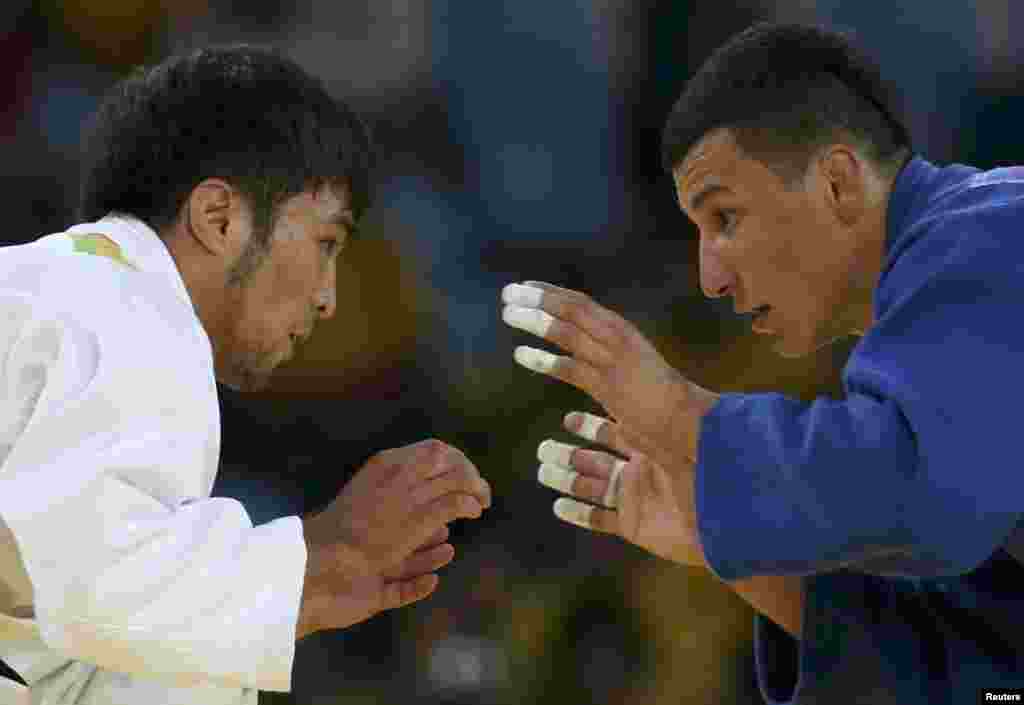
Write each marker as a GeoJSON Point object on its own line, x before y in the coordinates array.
{"type": "Point", "coordinates": [122, 577]}
{"type": "Point", "coordinates": [907, 473]}
{"type": "Point", "coordinates": [192, 592]}
{"type": "Point", "coordinates": [639, 501]}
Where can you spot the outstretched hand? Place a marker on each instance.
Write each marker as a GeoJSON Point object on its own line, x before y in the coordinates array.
{"type": "Point", "coordinates": [658, 410]}
{"type": "Point", "coordinates": [633, 498]}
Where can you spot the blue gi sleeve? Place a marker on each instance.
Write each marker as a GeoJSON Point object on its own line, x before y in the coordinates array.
{"type": "Point", "coordinates": [915, 472]}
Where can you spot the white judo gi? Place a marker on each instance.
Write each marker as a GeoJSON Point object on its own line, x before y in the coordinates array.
{"type": "Point", "coordinates": [121, 580]}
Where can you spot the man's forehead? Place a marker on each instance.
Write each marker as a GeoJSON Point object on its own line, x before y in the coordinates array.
{"type": "Point", "coordinates": [710, 154]}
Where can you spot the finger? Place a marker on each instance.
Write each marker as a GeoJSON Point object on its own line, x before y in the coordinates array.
{"type": "Point", "coordinates": [436, 539]}
{"type": "Point", "coordinates": [590, 489]}
{"type": "Point", "coordinates": [458, 459]}
{"type": "Point", "coordinates": [422, 562]}
{"type": "Point", "coordinates": [592, 475]}
{"type": "Point", "coordinates": [400, 593]}
{"type": "Point", "coordinates": [564, 334]}
{"type": "Point", "coordinates": [607, 469]}
{"type": "Point", "coordinates": [612, 491]}
{"type": "Point", "coordinates": [587, 516]}
{"type": "Point", "coordinates": [464, 478]}
{"type": "Point", "coordinates": [596, 463]}
{"type": "Point", "coordinates": [430, 458]}
{"type": "Point", "coordinates": [598, 429]}
{"type": "Point", "coordinates": [574, 307]}
{"type": "Point", "coordinates": [579, 373]}
{"type": "Point", "coordinates": [444, 510]}
{"type": "Point", "coordinates": [423, 459]}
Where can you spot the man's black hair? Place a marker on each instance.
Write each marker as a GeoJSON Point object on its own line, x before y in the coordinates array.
{"type": "Point", "coordinates": [784, 90]}
{"type": "Point", "coordinates": [245, 114]}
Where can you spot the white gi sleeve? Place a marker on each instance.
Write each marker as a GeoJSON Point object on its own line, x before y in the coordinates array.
{"type": "Point", "coordinates": [187, 593]}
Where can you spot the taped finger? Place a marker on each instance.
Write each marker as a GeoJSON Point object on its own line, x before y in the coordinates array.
{"type": "Point", "coordinates": [589, 424]}
{"type": "Point", "coordinates": [531, 320]}
{"type": "Point", "coordinates": [551, 451]}
{"type": "Point", "coordinates": [597, 429]}
{"type": "Point", "coordinates": [611, 495]}
{"type": "Point", "coordinates": [587, 516]}
{"type": "Point", "coordinates": [573, 511]}
{"type": "Point", "coordinates": [536, 360]}
{"type": "Point", "coordinates": [557, 477]}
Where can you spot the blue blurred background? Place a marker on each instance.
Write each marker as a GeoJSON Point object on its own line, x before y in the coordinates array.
{"type": "Point", "coordinates": [520, 141]}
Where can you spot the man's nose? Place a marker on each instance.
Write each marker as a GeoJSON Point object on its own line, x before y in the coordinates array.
{"type": "Point", "coordinates": [327, 301]}
{"type": "Point", "coordinates": [716, 280]}
{"type": "Point", "coordinates": [326, 306]}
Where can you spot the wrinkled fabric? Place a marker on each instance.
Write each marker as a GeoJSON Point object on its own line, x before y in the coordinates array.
{"type": "Point", "coordinates": [121, 579]}
{"type": "Point", "coordinates": [910, 483]}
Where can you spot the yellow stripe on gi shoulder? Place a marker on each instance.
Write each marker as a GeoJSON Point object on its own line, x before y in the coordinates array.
{"type": "Point", "coordinates": [99, 245]}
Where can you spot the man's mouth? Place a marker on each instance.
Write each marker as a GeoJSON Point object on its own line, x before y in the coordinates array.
{"type": "Point", "coordinates": [757, 321]}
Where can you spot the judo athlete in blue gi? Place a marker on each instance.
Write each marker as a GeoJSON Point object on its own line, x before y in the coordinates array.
{"type": "Point", "coordinates": [873, 533]}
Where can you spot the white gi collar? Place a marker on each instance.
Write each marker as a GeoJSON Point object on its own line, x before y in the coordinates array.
{"type": "Point", "coordinates": [141, 246]}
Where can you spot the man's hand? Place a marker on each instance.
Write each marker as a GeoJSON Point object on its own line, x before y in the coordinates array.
{"type": "Point", "coordinates": [377, 544]}
{"type": "Point", "coordinates": [658, 409]}
{"type": "Point", "coordinates": [635, 499]}
{"type": "Point", "coordinates": [353, 599]}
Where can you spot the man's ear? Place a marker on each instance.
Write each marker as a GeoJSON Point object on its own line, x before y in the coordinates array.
{"type": "Point", "coordinates": [211, 211]}
{"type": "Point", "coordinates": [843, 174]}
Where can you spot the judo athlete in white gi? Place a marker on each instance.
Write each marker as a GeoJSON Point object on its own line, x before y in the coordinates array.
{"type": "Point", "coordinates": [218, 189]}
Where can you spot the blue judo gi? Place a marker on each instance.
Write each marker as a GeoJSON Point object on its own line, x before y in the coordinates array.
{"type": "Point", "coordinates": [894, 503]}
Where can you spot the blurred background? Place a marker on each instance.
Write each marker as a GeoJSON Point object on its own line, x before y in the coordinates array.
{"type": "Point", "coordinates": [520, 141]}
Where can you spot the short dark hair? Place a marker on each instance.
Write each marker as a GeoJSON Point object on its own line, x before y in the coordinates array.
{"type": "Point", "coordinates": [784, 90]}
{"type": "Point", "coordinates": [243, 113]}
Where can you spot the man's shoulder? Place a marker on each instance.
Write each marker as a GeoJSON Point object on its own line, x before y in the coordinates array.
{"type": "Point", "coordinates": [975, 194]}
{"type": "Point", "coordinates": [960, 210]}
{"type": "Point", "coordinates": [86, 280]}
{"type": "Point", "coordinates": [129, 325]}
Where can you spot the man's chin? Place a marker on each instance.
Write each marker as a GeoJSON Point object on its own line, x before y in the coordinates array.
{"type": "Point", "coordinates": [246, 381]}
{"type": "Point", "coordinates": [794, 350]}
{"type": "Point", "coordinates": [790, 348]}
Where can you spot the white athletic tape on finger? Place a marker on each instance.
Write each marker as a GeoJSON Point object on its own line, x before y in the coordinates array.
{"type": "Point", "coordinates": [573, 512]}
{"type": "Point", "coordinates": [532, 320]}
{"type": "Point", "coordinates": [557, 477]}
{"type": "Point", "coordinates": [520, 295]}
{"type": "Point", "coordinates": [591, 425]}
{"type": "Point", "coordinates": [611, 495]}
{"type": "Point", "coordinates": [555, 452]}
{"type": "Point", "coordinates": [537, 360]}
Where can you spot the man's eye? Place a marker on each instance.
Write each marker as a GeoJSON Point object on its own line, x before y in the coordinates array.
{"type": "Point", "coordinates": [330, 247]}
{"type": "Point", "coordinates": [726, 220]}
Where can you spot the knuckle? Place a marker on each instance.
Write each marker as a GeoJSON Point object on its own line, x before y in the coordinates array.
{"type": "Point", "coordinates": [435, 446]}
{"type": "Point", "coordinates": [621, 331]}
{"type": "Point", "coordinates": [574, 311]}
{"type": "Point", "coordinates": [468, 506]}
{"type": "Point", "coordinates": [438, 452]}
{"type": "Point", "coordinates": [392, 596]}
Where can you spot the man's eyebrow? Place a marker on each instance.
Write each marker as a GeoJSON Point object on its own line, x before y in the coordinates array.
{"type": "Point", "coordinates": [707, 191]}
